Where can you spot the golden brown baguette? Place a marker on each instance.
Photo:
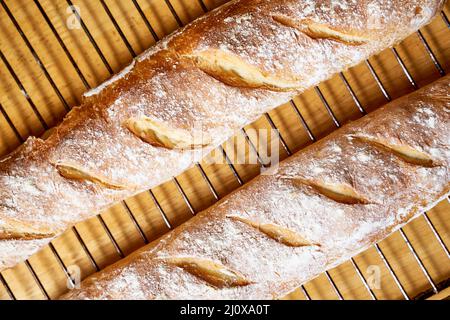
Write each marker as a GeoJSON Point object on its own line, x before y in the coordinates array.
{"type": "Point", "coordinates": [322, 206]}
{"type": "Point", "coordinates": [224, 70]}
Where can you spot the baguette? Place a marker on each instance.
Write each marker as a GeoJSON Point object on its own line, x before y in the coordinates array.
{"type": "Point", "coordinates": [322, 206]}
{"type": "Point", "coordinates": [138, 129]}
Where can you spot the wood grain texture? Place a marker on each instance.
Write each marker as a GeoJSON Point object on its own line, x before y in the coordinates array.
{"type": "Point", "coordinates": [147, 214]}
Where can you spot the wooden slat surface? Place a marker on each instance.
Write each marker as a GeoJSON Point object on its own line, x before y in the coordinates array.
{"type": "Point", "coordinates": [37, 91]}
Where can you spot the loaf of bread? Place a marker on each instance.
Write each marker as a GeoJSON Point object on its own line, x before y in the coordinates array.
{"type": "Point", "coordinates": [187, 94]}
{"type": "Point", "coordinates": [322, 206]}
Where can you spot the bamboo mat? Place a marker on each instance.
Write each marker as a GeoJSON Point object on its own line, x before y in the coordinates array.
{"type": "Point", "coordinates": [49, 59]}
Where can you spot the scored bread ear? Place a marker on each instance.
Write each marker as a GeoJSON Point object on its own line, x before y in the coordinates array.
{"type": "Point", "coordinates": [317, 30]}
{"type": "Point", "coordinates": [339, 192]}
{"type": "Point", "coordinates": [74, 172]}
{"type": "Point", "coordinates": [235, 71]}
{"type": "Point", "coordinates": [213, 272]}
{"type": "Point", "coordinates": [17, 230]}
{"type": "Point", "coordinates": [161, 135]}
{"type": "Point", "coordinates": [403, 151]}
{"type": "Point", "coordinates": [276, 232]}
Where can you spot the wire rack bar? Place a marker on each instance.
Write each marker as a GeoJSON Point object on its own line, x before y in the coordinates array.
{"type": "Point", "coordinates": [431, 53]}
{"type": "Point", "coordinates": [8, 289]}
{"type": "Point", "coordinates": [37, 280]}
{"type": "Point", "coordinates": [135, 222]}
{"type": "Point", "coordinates": [110, 235]}
{"type": "Point", "coordinates": [327, 106]}
{"type": "Point", "coordinates": [146, 21]}
{"type": "Point", "coordinates": [35, 56]}
{"type": "Point", "coordinates": [118, 29]}
{"type": "Point", "coordinates": [305, 292]}
{"type": "Point", "coordinates": [160, 209]}
{"type": "Point", "coordinates": [11, 124]}
{"type": "Point", "coordinates": [91, 39]}
{"type": "Point", "coordinates": [184, 196]}
{"type": "Point", "coordinates": [253, 147]}
{"type": "Point", "coordinates": [436, 234]}
{"type": "Point", "coordinates": [335, 288]}
{"type": "Point", "coordinates": [62, 264]}
{"type": "Point", "coordinates": [85, 249]}
{"type": "Point", "coordinates": [174, 13]}
{"type": "Point", "coordinates": [231, 166]}
{"type": "Point", "coordinates": [208, 182]}
{"type": "Point", "coordinates": [391, 271]}
{"type": "Point", "coordinates": [378, 81]}
{"type": "Point", "coordinates": [352, 93]}
{"type": "Point", "coordinates": [203, 6]}
{"type": "Point", "coordinates": [24, 92]}
{"type": "Point", "coordinates": [363, 280]}
{"type": "Point", "coordinates": [302, 121]}
{"type": "Point", "coordinates": [419, 261]}
{"type": "Point", "coordinates": [444, 17]}
{"type": "Point", "coordinates": [273, 126]}
{"type": "Point", "coordinates": [404, 68]}
{"type": "Point", "coordinates": [61, 43]}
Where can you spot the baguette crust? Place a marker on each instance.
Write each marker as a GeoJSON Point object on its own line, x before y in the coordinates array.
{"type": "Point", "coordinates": [336, 230]}
{"type": "Point", "coordinates": [177, 84]}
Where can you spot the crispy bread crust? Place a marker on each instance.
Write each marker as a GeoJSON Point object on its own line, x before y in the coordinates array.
{"type": "Point", "coordinates": [178, 83]}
